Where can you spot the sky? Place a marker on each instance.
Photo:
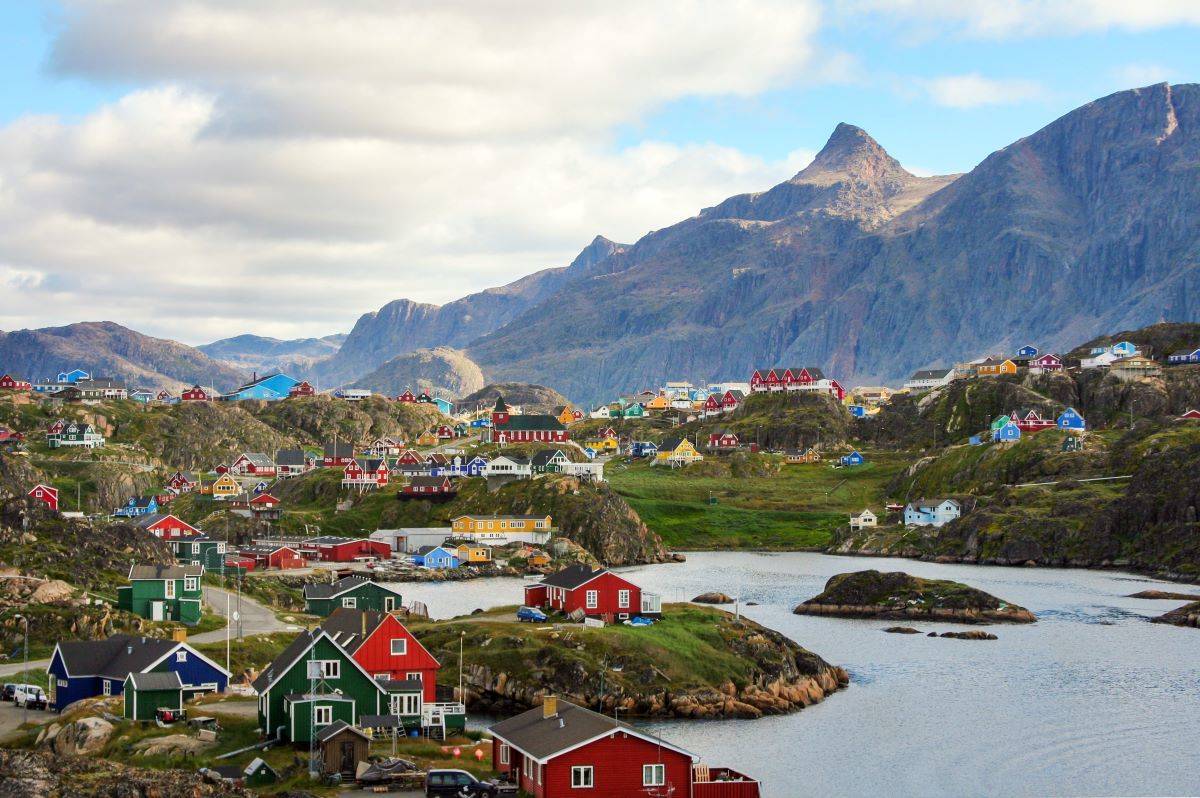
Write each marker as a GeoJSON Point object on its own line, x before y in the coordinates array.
{"type": "Point", "coordinates": [198, 169]}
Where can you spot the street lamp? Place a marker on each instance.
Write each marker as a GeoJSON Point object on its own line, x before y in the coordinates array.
{"type": "Point", "coordinates": [25, 664]}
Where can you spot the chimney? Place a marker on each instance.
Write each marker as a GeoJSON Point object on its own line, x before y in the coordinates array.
{"type": "Point", "coordinates": [549, 707]}
{"type": "Point", "coordinates": [363, 616]}
{"type": "Point", "coordinates": [179, 635]}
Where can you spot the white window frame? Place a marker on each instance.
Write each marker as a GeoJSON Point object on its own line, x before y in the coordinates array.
{"type": "Point", "coordinates": [592, 599]}
{"type": "Point", "coordinates": [505, 754]}
{"type": "Point", "coordinates": [403, 646]}
{"type": "Point", "coordinates": [322, 716]}
{"type": "Point", "coordinates": [191, 584]}
{"type": "Point", "coordinates": [330, 668]}
{"type": "Point", "coordinates": [169, 588]}
{"type": "Point", "coordinates": [181, 656]}
{"type": "Point", "coordinates": [654, 775]}
{"type": "Point", "coordinates": [417, 675]}
{"type": "Point", "coordinates": [623, 599]}
{"type": "Point", "coordinates": [350, 602]}
{"type": "Point", "coordinates": [582, 777]}
{"type": "Point", "coordinates": [106, 686]}
{"type": "Point", "coordinates": [528, 768]}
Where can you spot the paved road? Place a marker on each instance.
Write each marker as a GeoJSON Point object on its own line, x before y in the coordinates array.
{"type": "Point", "coordinates": [9, 668]}
{"type": "Point", "coordinates": [256, 618]}
{"type": "Point", "coordinates": [11, 717]}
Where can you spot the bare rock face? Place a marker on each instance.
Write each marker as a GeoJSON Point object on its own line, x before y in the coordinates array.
{"type": "Point", "coordinates": [54, 591]}
{"type": "Point", "coordinates": [172, 745]}
{"type": "Point", "coordinates": [440, 370]}
{"type": "Point", "coordinates": [37, 774]}
{"type": "Point", "coordinates": [84, 736]}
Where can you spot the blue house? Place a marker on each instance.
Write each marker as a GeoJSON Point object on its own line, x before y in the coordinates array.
{"type": "Point", "coordinates": [589, 452]}
{"type": "Point", "coordinates": [1008, 432]}
{"type": "Point", "coordinates": [1184, 356]}
{"type": "Point", "coordinates": [138, 506]}
{"type": "Point", "coordinates": [852, 459]}
{"type": "Point", "coordinates": [1123, 348]}
{"type": "Point", "coordinates": [643, 449]}
{"type": "Point", "coordinates": [858, 411]}
{"type": "Point", "coordinates": [85, 668]}
{"type": "Point", "coordinates": [272, 388]}
{"type": "Point", "coordinates": [436, 557]}
{"type": "Point", "coordinates": [1027, 351]}
{"type": "Point", "coordinates": [975, 440]}
{"type": "Point", "coordinates": [481, 422]}
{"type": "Point", "coordinates": [444, 405]}
{"type": "Point", "coordinates": [1069, 419]}
{"type": "Point", "coordinates": [73, 376]}
{"type": "Point", "coordinates": [931, 512]}
{"type": "Point", "coordinates": [473, 467]}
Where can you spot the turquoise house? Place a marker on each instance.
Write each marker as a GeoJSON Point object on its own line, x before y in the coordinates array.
{"type": "Point", "coordinates": [271, 388]}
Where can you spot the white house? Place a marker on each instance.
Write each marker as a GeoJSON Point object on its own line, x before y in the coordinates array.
{"type": "Point", "coordinates": [864, 519]}
{"type": "Point", "coordinates": [931, 512]}
{"type": "Point", "coordinates": [504, 465]}
{"type": "Point", "coordinates": [927, 379]}
{"type": "Point", "coordinates": [587, 471]}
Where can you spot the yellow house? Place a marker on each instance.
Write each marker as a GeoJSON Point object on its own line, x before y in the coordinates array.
{"type": "Point", "coordinates": [538, 558]}
{"type": "Point", "coordinates": [427, 438]}
{"type": "Point", "coordinates": [602, 445]}
{"type": "Point", "coordinates": [225, 487]}
{"type": "Point", "coordinates": [796, 456]}
{"type": "Point", "coordinates": [994, 368]}
{"type": "Point", "coordinates": [659, 402]}
{"type": "Point", "coordinates": [677, 452]}
{"type": "Point", "coordinates": [470, 552]}
{"type": "Point", "coordinates": [566, 415]}
{"type": "Point", "coordinates": [474, 524]}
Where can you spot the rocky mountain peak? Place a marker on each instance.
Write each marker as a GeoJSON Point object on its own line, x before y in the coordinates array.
{"type": "Point", "coordinates": [851, 153]}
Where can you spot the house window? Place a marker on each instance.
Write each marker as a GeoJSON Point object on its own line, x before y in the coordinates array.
{"type": "Point", "coordinates": [399, 647]}
{"type": "Point", "coordinates": [322, 716]}
{"type": "Point", "coordinates": [582, 776]}
{"type": "Point", "coordinates": [505, 754]}
{"type": "Point", "coordinates": [181, 656]}
{"type": "Point", "coordinates": [107, 687]}
{"type": "Point", "coordinates": [593, 599]}
{"type": "Point", "coordinates": [654, 775]}
{"type": "Point", "coordinates": [528, 768]}
{"type": "Point", "coordinates": [349, 602]}
{"type": "Point", "coordinates": [412, 704]}
{"type": "Point", "coordinates": [169, 586]}
{"type": "Point", "coordinates": [623, 598]}
{"type": "Point", "coordinates": [331, 669]}
{"type": "Point", "coordinates": [191, 584]}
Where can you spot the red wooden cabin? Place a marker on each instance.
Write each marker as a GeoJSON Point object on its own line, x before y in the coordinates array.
{"type": "Point", "coordinates": [167, 527]}
{"type": "Point", "coordinates": [11, 383]}
{"type": "Point", "coordinates": [429, 487]}
{"type": "Point", "coordinates": [598, 593]}
{"type": "Point", "coordinates": [384, 647]}
{"type": "Point", "coordinates": [334, 549]}
{"type": "Point", "coordinates": [46, 495]}
{"type": "Point", "coordinates": [195, 394]}
{"type": "Point", "coordinates": [273, 555]}
{"type": "Point", "coordinates": [302, 388]}
{"type": "Point", "coordinates": [407, 397]}
{"type": "Point", "coordinates": [722, 439]}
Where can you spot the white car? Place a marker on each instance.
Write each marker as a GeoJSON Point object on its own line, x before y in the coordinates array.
{"type": "Point", "coordinates": [30, 695]}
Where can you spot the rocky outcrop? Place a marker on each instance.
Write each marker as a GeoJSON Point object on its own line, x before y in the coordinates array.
{"type": "Point", "coordinates": [81, 737]}
{"type": "Point", "coordinates": [1187, 615]}
{"type": "Point", "coordinates": [36, 774]}
{"type": "Point", "coordinates": [974, 634]}
{"type": "Point", "coordinates": [712, 598]}
{"type": "Point", "coordinates": [897, 595]}
{"type": "Point", "coordinates": [442, 371]}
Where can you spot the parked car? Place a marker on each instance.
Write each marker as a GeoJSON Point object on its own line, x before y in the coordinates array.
{"type": "Point", "coordinates": [6, 692]}
{"type": "Point", "coordinates": [30, 695]}
{"type": "Point", "coordinates": [457, 784]}
{"type": "Point", "coordinates": [531, 615]}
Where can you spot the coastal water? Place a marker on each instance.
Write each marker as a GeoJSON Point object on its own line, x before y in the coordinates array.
{"type": "Point", "coordinates": [1091, 700]}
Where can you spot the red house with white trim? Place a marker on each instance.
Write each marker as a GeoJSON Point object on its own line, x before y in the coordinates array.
{"type": "Point", "coordinates": [330, 548]}
{"type": "Point", "coordinates": [722, 439]}
{"type": "Point", "coordinates": [302, 388]}
{"type": "Point", "coordinates": [167, 526]}
{"type": "Point", "coordinates": [1033, 422]}
{"type": "Point", "coordinates": [1045, 363]}
{"type": "Point", "coordinates": [11, 383]}
{"type": "Point", "coordinates": [1191, 415]}
{"type": "Point", "coordinates": [410, 457]}
{"type": "Point", "coordinates": [599, 593]}
{"type": "Point", "coordinates": [407, 397]}
{"type": "Point", "coordinates": [560, 749]}
{"type": "Point", "coordinates": [384, 647]}
{"type": "Point", "coordinates": [264, 501]}
{"type": "Point", "coordinates": [182, 482]}
{"type": "Point", "coordinates": [444, 431]}
{"type": "Point", "coordinates": [421, 486]}
{"type": "Point", "coordinates": [273, 555]}
{"type": "Point", "coordinates": [253, 464]}
{"type": "Point", "coordinates": [195, 394]}
{"type": "Point", "coordinates": [366, 473]}
{"type": "Point", "coordinates": [46, 495]}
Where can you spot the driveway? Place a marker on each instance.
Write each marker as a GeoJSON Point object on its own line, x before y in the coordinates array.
{"type": "Point", "coordinates": [256, 618]}
{"type": "Point", "coordinates": [11, 717]}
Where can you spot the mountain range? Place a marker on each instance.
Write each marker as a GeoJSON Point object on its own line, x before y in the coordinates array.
{"type": "Point", "coordinates": [854, 264]}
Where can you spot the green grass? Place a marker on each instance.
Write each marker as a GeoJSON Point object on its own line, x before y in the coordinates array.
{"type": "Point", "coordinates": [253, 652]}
{"type": "Point", "coordinates": [793, 507]}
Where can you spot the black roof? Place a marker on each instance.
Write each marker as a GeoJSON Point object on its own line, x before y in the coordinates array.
{"type": "Point", "coordinates": [532, 422]}
{"type": "Point", "coordinates": [290, 457]}
{"type": "Point", "coordinates": [168, 680]}
{"type": "Point", "coordinates": [336, 728]}
{"type": "Point", "coordinates": [544, 456]}
{"type": "Point", "coordinates": [929, 374]}
{"type": "Point", "coordinates": [379, 721]}
{"type": "Point", "coordinates": [115, 657]}
{"type": "Point", "coordinates": [164, 571]}
{"type": "Point", "coordinates": [286, 659]}
{"type": "Point", "coordinates": [339, 449]}
{"type": "Point", "coordinates": [402, 685]}
{"type": "Point", "coordinates": [349, 627]}
{"type": "Point", "coordinates": [572, 576]}
{"type": "Point", "coordinates": [500, 407]}
{"type": "Point", "coordinates": [319, 590]}
{"type": "Point", "coordinates": [421, 480]}
{"type": "Point", "coordinates": [570, 725]}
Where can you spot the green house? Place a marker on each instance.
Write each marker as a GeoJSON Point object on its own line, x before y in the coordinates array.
{"type": "Point", "coordinates": [146, 693]}
{"type": "Point", "coordinates": [636, 410]}
{"type": "Point", "coordinates": [356, 592]}
{"type": "Point", "coordinates": [200, 550]}
{"type": "Point", "coordinates": [311, 684]}
{"type": "Point", "coordinates": [549, 461]}
{"type": "Point", "coordinates": [163, 593]}
{"type": "Point", "coordinates": [1000, 421]}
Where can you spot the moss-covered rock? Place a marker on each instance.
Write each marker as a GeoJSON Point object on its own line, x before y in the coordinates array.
{"type": "Point", "coordinates": [897, 595]}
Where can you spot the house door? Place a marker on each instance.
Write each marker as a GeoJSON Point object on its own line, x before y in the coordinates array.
{"type": "Point", "coordinates": [156, 611]}
{"type": "Point", "coordinates": [348, 764]}
{"type": "Point", "coordinates": [389, 603]}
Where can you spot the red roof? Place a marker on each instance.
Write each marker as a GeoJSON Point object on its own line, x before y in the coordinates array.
{"type": "Point", "coordinates": [264, 498]}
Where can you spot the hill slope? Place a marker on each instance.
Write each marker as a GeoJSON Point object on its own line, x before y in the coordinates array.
{"type": "Point", "coordinates": [265, 354]}
{"type": "Point", "coordinates": [441, 370]}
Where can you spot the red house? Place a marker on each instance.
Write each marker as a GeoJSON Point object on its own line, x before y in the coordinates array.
{"type": "Point", "coordinates": [195, 394]}
{"type": "Point", "coordinates": [253, 464]}
{"type": "Point", "coordinates": [334, 549]}
{"type": "Point", "coordinates": [508, 428]}
{"type": "Point", "coordinates": [407, 397]}
{"type": "Point", "coordinates": [10, 436]}
{"type": "Point", "coordinates": [384, 647]}
{"type": "Point", "coordinates": [46, 495]}
{"type": "Point", "coordinates": [712, 405]}
{"type": "Point", "coordinates": [273, 555]}
{"type": "Point", "coordinates": [264, 501]}
{"type": "Point", "coordinates": [302, 388]}
{"type": "Point", "coordinates": [722, 439]}
{"type": "Point", "coordinates": [732, 400]}
{"type": "Point", "coordinates": [1032, 422]}
{"type": "Point", "coordinates": [182, 482]}
{"type": "Point", "coordinates": [366, 472]}
{"type": "Point", "coordinates": [338, 454]}
{"type": "Point", "coordinates": [426, 487]}
{"type": "Point", "coordinates": [57, 427]}
{"type": "Point", "coordinates": [162, 396]}
{"type": "Point", "coordinates": [1046, 362]}
{"type": "Point", "coordinates": [560, 749]}
{"type": "Point", "coordinates": [410, 457]}
{"type": "Point", "coordinates": [167, 526]}
{"type": "Point", "coordinates": [599, 593]}
{"type": "Point", "coordinates": [607, 433]}
{"type": "Point", "coordinates": [11, 383]}
{"type": "Point", "coordinates": [444, 431]}
{"type": "Point", "coordinates": [1191, 415]}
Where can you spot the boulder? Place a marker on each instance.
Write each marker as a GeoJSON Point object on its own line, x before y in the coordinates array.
{"type": "Point", "coordinates": [901, 630]}
{"type": "Point", "coordinates": [54, 591]}
{"type": "Point", "coordinates": [712, 598]}
{"type": "Point", "coordinates": [974, 634]}
{"type": "Point", "coordinates": [171, 745]}
{"type": "Point", "coordinates": [84, 736]}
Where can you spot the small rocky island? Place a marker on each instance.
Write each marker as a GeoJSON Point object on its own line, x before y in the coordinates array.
{"type": "Point", "coordinates": [899, 596]}
{"type": "Point", "coordinates": [1187, 615]}
{"type": "Point", "coordinates": [696, 662]}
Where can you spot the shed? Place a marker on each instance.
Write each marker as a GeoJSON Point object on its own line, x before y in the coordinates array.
{"type": "Point", "coordinates": [342, 747]}
{"type": "Point", "coordinates": [146, 693]}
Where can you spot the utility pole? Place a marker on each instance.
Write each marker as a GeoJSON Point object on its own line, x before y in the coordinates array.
{"type": "Point", "coordinates": [227, 632]}
{"type": "Point", "coordinates": [461, 698]}
{"type": "Point", "coordinates": [25, 667]}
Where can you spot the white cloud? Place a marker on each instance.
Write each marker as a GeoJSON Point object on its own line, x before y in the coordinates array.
{"type": "Point", "coordinates": [289, 164]}
{"type": "Point", "coordinates": [974, 90]}
{"type": "Point", "coordinates": [997, 19]}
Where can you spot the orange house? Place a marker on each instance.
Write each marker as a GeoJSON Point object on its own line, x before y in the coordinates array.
{"type": "Point", "coordinates": [994, 368]}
